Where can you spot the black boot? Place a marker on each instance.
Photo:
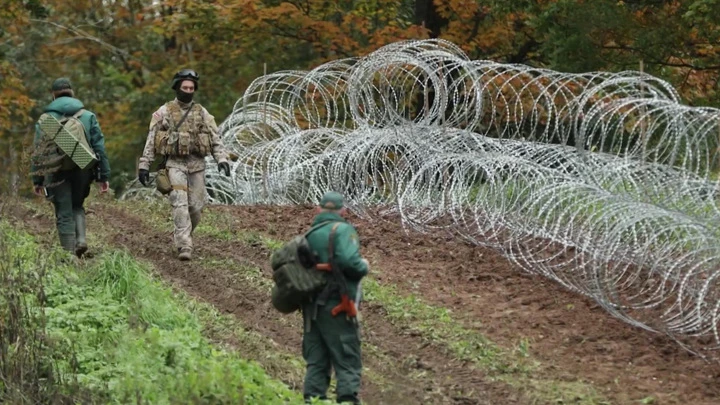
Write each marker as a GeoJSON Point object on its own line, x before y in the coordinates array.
{"type": "Point", "coordinates": [308, 398]}
{"type": "Point", "coordinates": [349, 399]}
{"type": "Point", "coordinates": [67, 241]}
{"type": "Point", "coordinates": [81, 243]}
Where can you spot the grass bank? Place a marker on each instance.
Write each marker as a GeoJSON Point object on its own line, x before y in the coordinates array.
{"type": "Point", "coordinates": [107, 332]}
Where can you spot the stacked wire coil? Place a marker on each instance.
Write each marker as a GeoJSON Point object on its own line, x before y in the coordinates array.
{"type": "Point", "coordinates": [604, 182]}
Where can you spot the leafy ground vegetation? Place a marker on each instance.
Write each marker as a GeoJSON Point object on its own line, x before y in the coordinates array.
{"type": "Point", "coordinates": [443, 322]}
{"type": "Point", "coordinates": [105, 331]}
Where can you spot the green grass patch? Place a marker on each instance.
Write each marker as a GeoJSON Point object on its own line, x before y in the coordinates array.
{"type": "Point", "coordinates": [124, 336]}
{"type": "Point", "coordinates": [513, 366]}
{"type": "Point", "coordinates": [279, 363]}
{"type": "Point", "coordinates": [437, 325]}
{"type": "Point", "coordinates": [251, 238]}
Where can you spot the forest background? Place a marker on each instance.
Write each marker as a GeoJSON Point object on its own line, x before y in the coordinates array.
{"type": "Point", "coordinates": [122, 54]}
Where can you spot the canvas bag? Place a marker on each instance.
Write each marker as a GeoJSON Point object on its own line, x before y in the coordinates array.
{"type": "Point", "coordinates": [294, 274]}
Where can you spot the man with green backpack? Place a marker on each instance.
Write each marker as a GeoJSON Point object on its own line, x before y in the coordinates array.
{"type": "Point", "coordinates": [331, 338]}
{"type": "Point", "coordinates": [69, 153]}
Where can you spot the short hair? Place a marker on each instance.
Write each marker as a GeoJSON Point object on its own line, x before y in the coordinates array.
{"type": "Point", "coordinates": [64, 92]}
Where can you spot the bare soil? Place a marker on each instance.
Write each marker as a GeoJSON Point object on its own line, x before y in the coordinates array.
{"type": "Point", "coordinates": [570, 334]}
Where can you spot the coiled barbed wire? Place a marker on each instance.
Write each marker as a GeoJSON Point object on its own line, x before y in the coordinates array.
{"type": "Point", "coordinates": [603, 182]}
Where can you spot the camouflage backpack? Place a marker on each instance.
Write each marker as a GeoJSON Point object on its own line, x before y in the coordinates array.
{"type": "Point", "coordinates": [294, 273]}
{"type": "Point", "coordinates": [63, 145]}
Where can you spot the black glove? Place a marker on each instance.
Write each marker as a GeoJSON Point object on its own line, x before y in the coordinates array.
{"type": "Point", "coordinates": [144, 176]}
{"type": "Point", "coordinates": [224, 167]}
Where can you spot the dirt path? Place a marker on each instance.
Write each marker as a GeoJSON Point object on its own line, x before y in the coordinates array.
{"type": "Point", "coordinates": [571, 335]}
{"type": "Point", "coordinates": [437, 379]}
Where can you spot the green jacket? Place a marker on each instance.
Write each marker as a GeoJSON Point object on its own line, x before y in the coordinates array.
{"type": "Point", "coordinates": [346, 247]}
{"type": "Point", "coordinates": [66, 106]}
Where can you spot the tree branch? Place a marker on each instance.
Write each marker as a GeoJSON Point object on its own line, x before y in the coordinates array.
{"type": "Point", "coordinates": [521, 53]}
{"type": "Point", "coordinates": [83, 35]}
{"type": "Point", "coordinates": [651, 59]}
{"type": "Point", "coordinates": [477, 20]}
{"type": "Point", "coordinates": [310, 38]}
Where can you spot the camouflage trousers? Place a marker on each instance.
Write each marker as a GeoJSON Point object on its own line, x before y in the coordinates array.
{"type": "Point", "coordinates": [187, 199]}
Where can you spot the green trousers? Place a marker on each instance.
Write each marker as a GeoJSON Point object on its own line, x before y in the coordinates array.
{"type": "Point", "coordinates": [68, 195]}
{"type": "Point", "coordinates": [331, 342]}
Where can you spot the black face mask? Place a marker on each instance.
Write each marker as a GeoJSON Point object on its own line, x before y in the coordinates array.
{"type": "Point", "coordinates": [183, 96]}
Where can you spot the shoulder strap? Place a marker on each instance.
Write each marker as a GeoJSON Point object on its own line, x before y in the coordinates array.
{"type": "Point", "coordinates": [78, 114]}
{"type": "Point", "coordinates": [184, 116]}
{"type": "Point", "coordinates": [331, 243]}
{"type": "Point", "coordinates": [316, 227]}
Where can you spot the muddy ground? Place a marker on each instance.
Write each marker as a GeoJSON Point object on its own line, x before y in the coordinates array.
{"type": "Point", "coordinates": [570, 335]}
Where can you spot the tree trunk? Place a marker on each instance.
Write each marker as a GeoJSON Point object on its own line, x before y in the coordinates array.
{"type": "Point", "coordinates": [10, 181]}
{"type": "Point", "coordinates": [426, 15]}
{"type": "Point", "coordinates": [13, 176]}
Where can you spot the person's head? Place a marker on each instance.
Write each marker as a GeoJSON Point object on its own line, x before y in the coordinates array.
{"type": "Point", "coordinates": [185, 83]}
{"type": "Point", "coordinates": [332, 201]}
{"type": "Point", "coordinates": [61, 87]}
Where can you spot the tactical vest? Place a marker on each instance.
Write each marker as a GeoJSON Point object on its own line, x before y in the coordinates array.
{"type": "Point", "coordinates": [191, 138]}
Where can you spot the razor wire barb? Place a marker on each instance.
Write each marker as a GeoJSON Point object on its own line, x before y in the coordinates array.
{"type": "Point", "coordinates": [603, 182]}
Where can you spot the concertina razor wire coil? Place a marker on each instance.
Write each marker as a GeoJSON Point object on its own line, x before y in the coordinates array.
{"type": "Point", "coordinates": [603, 182]}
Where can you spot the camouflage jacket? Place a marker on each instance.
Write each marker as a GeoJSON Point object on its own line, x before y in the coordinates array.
{"type": "Point", "coordinates": [161, 121]}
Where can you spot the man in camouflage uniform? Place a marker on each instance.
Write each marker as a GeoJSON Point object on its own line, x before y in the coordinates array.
{"type": "Point", "coordinates": [68, 187]}
{"type": "Point", "coordinates": [333, 341]}
{"type": "Point", "coordinates": [184, 133]}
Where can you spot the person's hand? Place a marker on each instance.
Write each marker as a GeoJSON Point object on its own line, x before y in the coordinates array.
{"type": "Point", "coordinates": [144, 176]}
{"type": "Point", "coordinates": [224, 167]}
{"type": "Point", "coordinates": [103, 186]}
{"type": "Point", "coordinates": [39, 190]}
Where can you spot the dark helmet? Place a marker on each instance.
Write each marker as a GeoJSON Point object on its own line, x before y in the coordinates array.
{"type": "Point", "coordinates": [185, 74]}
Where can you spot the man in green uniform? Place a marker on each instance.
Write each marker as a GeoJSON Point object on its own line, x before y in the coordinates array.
{"type": "Point", "coordinates": [67, 186]}
{"type": "Point", "coordinates": [333, 341]}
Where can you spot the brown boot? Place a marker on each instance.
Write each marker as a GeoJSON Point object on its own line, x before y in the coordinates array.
{"type": "Point", "coordinates": [185, 254]}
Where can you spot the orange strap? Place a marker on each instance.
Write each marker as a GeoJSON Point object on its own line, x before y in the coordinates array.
{"type": "Point", "coordinates": [346, 305]}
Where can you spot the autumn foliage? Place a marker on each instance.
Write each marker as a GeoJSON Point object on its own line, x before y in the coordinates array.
{"type": "Point", "coordinates": [121, 55]}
